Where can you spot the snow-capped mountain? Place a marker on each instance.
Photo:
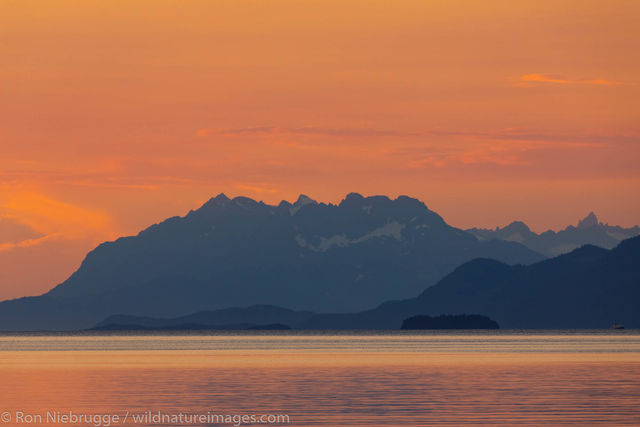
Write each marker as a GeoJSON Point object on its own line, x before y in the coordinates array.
{"type": "Point", "coordinates": [239, 252]}
{"type": "Point", "coordinates": [589, 231]}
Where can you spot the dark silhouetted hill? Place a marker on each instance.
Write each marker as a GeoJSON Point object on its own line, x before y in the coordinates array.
{"type": "Point", "coordinates": [254, 317]}
{"type": "Point", "coordinates": [115, 327]}
{"type": "Point", "coordinates": [590, 287]}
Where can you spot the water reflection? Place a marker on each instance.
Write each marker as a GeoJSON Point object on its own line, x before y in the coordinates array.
{"type": "Point", "coordinates": [333, 380]}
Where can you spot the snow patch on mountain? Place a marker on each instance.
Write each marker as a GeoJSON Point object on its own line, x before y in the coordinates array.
{"type": "Point", "coordinates": [391, 229]}
{"type": "Point", "coordinates": [302, 201]}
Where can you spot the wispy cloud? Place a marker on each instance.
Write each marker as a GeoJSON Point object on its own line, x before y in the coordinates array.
{"type": "Point", "coordinates": [81, 178]}
{"type": "Point", "coordinates": [496, 155]}
{"type": "Point", "coordinates": [507, 134]}
{"type": "Point", "coordinates": [500, 153]}
{"type": "Point", "coordinates": [28, 242]}
{"type": "Point", "coordinates": [50, 216]}
{"type": "Point", "coordinates": [306, 130]}
{"type": "Point", "coordinates": [529, 80]}
{"type": "Point", "coordinates": [544, 78]}
{"type": "Point", "coordinates": [12, 231]}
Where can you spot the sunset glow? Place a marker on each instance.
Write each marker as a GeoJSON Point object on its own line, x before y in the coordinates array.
{"type": "Point", "coordinates": [118, 114]}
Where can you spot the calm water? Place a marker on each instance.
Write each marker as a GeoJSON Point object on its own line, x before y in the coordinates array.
{"type": "Point", "coordinates": [503, 378]}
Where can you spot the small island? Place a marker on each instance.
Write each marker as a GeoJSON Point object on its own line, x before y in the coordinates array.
{"type": "Point", "coordinates": [458, 321]}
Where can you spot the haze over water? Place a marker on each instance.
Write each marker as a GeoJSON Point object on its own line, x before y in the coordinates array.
{"type": "Point", "coordinates": [500, 378]}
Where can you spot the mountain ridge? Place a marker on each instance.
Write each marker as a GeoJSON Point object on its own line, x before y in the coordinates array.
{"type": "Point", "coordinates": [589, 230]}
{"type": "Point", "coordinates": [588, 288]}
{"type": "Point", "coordinates": [238, 252]}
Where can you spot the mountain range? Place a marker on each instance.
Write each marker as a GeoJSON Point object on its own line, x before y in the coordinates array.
{"type": "Point", "coordinates": [589, 287]}
{"type": "Point", "coordinates": [306, 256]}
{"type": "Point", "coordinates": [550, 243]}
{"type": "Point", "coordinates": [239, 252]}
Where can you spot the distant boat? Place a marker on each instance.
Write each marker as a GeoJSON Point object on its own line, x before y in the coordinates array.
{"type": "Point", "coordinates": [616, 326]}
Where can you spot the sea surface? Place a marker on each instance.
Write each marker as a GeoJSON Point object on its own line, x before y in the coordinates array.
{"type": "Point", "coordinates": [510, 378]}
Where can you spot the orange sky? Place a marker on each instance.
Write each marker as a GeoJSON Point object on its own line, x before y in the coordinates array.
{"type": "Point", "coordinates": [117, 114]}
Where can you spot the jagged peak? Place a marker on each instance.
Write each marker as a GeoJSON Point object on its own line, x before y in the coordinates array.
{"type": "Point", "coordinates": [408, 200]}
{"type": "Point", "coordinates": [220, 200]}
{"type": "Point", "coordinates": [220, 197]}
{"type": "Point", "coordinates": [352, 197]}
{"type": "Point", "coordinates": [518, 226]}
{"type": "Point", "coordinates": [589, 221]}
{"type": "Point", "coordinates": [245, 202]}
{"type": "Point", "coordinates": [404, 202]}
{"type": "Point", "coordinates": [303, 200]}
{"type": "Point", "coordinates": [355, 199]}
